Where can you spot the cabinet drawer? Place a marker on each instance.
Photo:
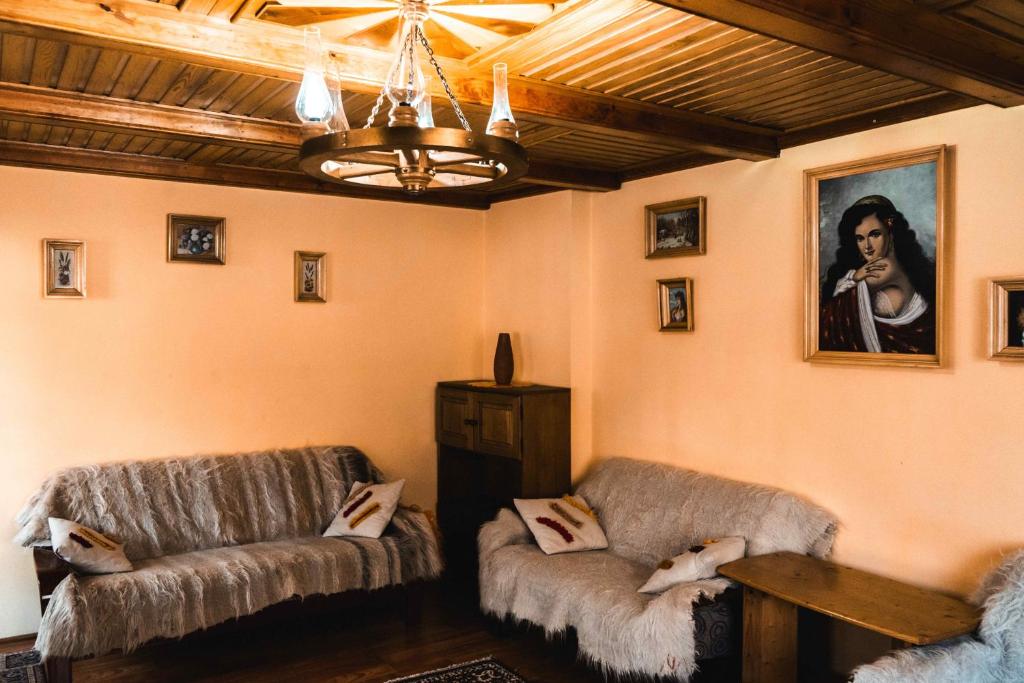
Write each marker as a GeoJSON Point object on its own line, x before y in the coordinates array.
{"type": "Point", "coordinates": [455, 418]}
{"type": "Point", "coordinates": [497, 425]}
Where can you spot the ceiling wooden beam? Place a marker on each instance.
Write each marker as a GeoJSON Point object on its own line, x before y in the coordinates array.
{"type": "Point", "coordinates": [276, 51]}
{"type": "Point", "coordinates": [94, 112]}
{"type": "Point", "coordinates": [161, 168]}
{"type": "Point", "coordinates": [45, 106]}
{"type": "Point", "coordinates": [896, 37]}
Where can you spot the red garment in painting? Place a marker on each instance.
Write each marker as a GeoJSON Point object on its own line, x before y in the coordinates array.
{"type": "Point", "coordinates": [839, 329]}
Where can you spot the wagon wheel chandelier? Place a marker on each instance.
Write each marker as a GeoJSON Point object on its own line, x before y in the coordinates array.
{"type": "Point", "coordinates": [409, 152]}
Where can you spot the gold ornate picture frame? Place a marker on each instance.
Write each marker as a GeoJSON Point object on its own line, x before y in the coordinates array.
{"type": "Point", "coordinates": [195, 239]}
{"type": "Point", "coordinates": [875, 245]}
{"type": "Point", "coordinates": [675, 304]}
{"type": "Point", "coordinates": [676, 228]}
{"type": "Point", "coordinates": [309, 276]}
{"type": "Point", "coordinates": [64, 269]}
{"type": "Point", "coordinates": [1006, 319]}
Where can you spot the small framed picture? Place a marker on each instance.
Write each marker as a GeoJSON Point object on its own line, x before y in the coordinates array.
{"type": "Point", "coordinates": [1006, 319]}
{"type": "Point", "coordinates": [675, 304]}
{"type": "Point", "coordinates": [676, 228]}
{"type": "Point", "coordinates": [196, 239]}
{"type": "Point", "coordinates": [309, 276]}
{"type": "Point", "coordinates": [64, 269]}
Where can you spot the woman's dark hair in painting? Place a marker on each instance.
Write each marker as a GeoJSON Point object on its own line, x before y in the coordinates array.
{"type": "Point", "coordinates": [918, 267]}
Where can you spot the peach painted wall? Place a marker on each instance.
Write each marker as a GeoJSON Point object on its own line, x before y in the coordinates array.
{"type": "Point", "coordinates": [923, 467]}
{"type": "Point", "coordinates": [170, 358]}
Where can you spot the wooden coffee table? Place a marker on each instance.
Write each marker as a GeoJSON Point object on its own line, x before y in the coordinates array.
{"type": "Point", "coordinates": [775, 585]}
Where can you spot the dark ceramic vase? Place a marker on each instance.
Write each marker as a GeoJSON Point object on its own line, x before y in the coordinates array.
{"type": "Point", "coordinates": [504, 363]}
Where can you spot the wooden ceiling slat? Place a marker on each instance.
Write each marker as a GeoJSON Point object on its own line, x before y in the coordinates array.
{"type": "Point", "coordinates": [269, 89]}
{"type": "Point", "coordinates": [79, 137]}
{"type": "Point", "coordinates": [235, 92]}
{"type": "Point", "coordinates": [174, 148]}
{"type": "Point", "coordinates": [232, 154]}
{"type": "Point", "coordinates": [279, 105]}
{"type": "Point", "coordinates": [186, 85]}
{"type": "Point", "coordinates": [99, 139]}
{"type": "Point", "coordinates": [16, 58]}
{"type": "Point", "coordinates": [1003, 18]}
{"type": "Point", "coordinates": [882, 97]}
{"type": "Point", "coordinates": [207, 154]}
{"type": "Point", "coordinates": [160, 81]}
{"type": "Point", "coordinates": [137, 144]}
{"type": "Point", "coordinates": [37, 132]}
{"type": "Point", "coordinates": [851, 86]}
{"type": "Point", "coordinates": [47, 63]}
{"type": "Point", "coordinates": [212, 88]}
{"type": "Point", "coordinates": [155, 148]}
{"type": "Point", "coordinates": [58, 135]}
{"type": "Point", "coordinates": [106, 72]}
{"type": "Point", "coordinates": [16, 130]}
{"type": "Point", "coordinates": [118, 142]}
{"type": "Point", "coordinates": [748, 86]}
{"type": "Point", "coordinates": [188, 150]}
{"type": "Point", "coordinates": [78, 66]}
{"type": "Point", "coordinates": [134, 75]}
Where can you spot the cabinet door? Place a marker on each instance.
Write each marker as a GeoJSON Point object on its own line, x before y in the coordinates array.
{"type": "Point", "coordinates": [455, 418]}
{"type": "Point", "coordinates": [497, 424]}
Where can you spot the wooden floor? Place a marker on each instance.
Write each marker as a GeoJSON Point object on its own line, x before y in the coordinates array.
{"type": "Point", "coordinates": [353, 645]}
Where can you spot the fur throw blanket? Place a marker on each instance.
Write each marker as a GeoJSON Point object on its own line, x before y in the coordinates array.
{"type": "Point", "coordinates": [996, 655]}
{"type": "Point", "coordinates": [214, 538]}
{"type": "Point", "coordinates": [649, 512]}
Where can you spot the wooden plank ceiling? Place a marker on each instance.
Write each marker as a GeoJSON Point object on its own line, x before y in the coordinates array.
{"type": "Point", "coordinates": [605, 91]}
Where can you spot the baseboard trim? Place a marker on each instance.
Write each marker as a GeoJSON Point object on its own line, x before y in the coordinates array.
{"type": "Point", "coordinates": [14, 639]}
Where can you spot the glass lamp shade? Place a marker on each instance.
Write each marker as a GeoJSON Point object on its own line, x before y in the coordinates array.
{"type": "Point", "coordinates": [338, 120]}
{"type": "Point", "coordinates": [314, 103]}
{"type": "Point", "coordinates": [406, 84]}
{"type": "Point", "coordinates": [502, 123]}
{"type": "Point", "coordinates": [425, 108]}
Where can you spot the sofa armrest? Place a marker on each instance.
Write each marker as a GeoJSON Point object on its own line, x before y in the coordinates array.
{"type": "Point", "coordinates": [507, 528]}
{"type": "Point", "coordinates": [51, 569]}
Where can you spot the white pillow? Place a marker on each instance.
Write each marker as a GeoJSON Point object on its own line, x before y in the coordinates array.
{"type": "Point", "coordinates": [86, 549]}
{"type": "Point", "coordinates": [562, 525]}
{"type": "Point", "coordinates": [699, 562]}
{"type": "Point", "coordinates": [367, 510]}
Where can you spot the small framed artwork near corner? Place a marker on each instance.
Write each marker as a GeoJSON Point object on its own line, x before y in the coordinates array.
{"type": "Point", "coordinates": [64, 269]}
{"type": "Point", "coordinates": [676, 228]}
{"type": "Point", "coordinates": [309, 276]}
{"type": "Point", "coordinates": [195, 239]}
{"type": "Point", "coordinates": [1006, 319]}
{"type": "Point", "coordinates": [675, 304]}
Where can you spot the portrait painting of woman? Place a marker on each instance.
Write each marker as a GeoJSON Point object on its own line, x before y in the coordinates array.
{"type": "Point", "coordinates": [873, 284]}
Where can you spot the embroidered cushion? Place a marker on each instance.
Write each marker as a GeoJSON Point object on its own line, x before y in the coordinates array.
{"type": "Point", "coordinates": [86, 549]}
{"type": "Point", "coordinates": [562, 525]}
{"type": "Point", "coordinates": [367, 511]}
{"type": "Point", "coordinates": [699, 562]}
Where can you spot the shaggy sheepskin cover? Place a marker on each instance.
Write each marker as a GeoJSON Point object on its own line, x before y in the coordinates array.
{"type": "Point", "coordinates": [996, 655]}
{"type": "Point", "coordinates": [214, 538]}
{"type": "Point", "coordinates": [649, 512]}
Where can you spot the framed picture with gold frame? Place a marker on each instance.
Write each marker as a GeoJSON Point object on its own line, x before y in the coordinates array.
{"type": "Point", "coordinates": [309, 276]}
{"type": "Point", "coordinates": [874, 254]}
{"type": "Point", "coordinates": [64, 269]}
{"type": "Point", "coordinates": [675, 304]}
{"type": "Point", "coordinates": [1006, 319]}
{"type": "Point", "coordinates": [676, 228]}
{"type": "Point", "coordinates": [195, 239]}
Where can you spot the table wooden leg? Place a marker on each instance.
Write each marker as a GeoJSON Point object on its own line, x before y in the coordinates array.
{"type": "Point", "coordinates": [769, 638]}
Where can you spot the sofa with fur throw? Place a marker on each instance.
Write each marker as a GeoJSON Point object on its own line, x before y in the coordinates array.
{"type": "Point", "coordinates": [213, 538]}
{"type": "Point", "coordinates": [994, 655]}
{"type": "Point", "coordinates": [649, 512]}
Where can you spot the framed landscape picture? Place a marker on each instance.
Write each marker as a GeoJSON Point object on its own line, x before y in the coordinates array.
{"type": "Point", "coordinates": [309, 276]}
{"type": "Point", "coordinates": [676, 228]}
{"type": "Point", "coordinates": [1006, 319]}
{"type": "Point", "coordinates": [64, 269]}
{"type": "Point", "coordinates": [675, 304]}
{"type": "Point", "coordinates": [875, 233]}
{"type": "Point", "coordinates": [195, 239]}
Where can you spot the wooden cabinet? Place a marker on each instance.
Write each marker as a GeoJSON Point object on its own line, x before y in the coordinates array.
{"type": "Point", "coordinates": [495, 444]}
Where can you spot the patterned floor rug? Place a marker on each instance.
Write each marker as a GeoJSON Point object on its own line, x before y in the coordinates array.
{"type": "Point", "coordinates": [486, 670]}
{"type": "Point", "coordinates": [21, 667]}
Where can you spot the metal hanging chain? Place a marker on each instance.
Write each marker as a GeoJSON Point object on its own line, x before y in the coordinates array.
{"type": "Point", "coordinates": [444, 81]}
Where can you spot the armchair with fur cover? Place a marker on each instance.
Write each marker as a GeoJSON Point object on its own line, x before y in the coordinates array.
{"type": "Point", "coordinates": [995, 655]}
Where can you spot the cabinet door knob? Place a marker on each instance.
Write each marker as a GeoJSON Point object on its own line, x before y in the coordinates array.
{"type": "Point", "coordinates": [471, 423]}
